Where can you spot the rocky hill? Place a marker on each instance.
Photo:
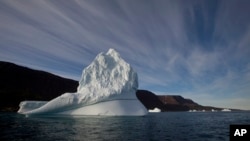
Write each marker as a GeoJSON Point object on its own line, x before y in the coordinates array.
{"type": "Point", "coordinates": [170, 102]}
{"type": "Point", "coordinates": [19, 83]}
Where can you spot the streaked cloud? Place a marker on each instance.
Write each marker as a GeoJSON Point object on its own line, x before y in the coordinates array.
{"type": "Point", "coordinates": [199, 49]}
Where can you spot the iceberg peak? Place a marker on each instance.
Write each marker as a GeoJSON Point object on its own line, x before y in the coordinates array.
{"type": "Point", "coordinates": [108, 76]}
{"type": "Point", "coordinates": [112, 52]}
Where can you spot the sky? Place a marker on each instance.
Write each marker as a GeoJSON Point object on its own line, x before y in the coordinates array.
{"type": "Point", "coordinates": [197, 49]}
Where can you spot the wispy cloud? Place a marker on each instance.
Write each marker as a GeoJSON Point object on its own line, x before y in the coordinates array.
{"type": "Point", "coordinates": [197, 48]}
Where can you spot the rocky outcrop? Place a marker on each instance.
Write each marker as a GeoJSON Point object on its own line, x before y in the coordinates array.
{"type": "Point", "coordinates": [149, 99]}
{"type": "Point", "coordinates": [169, 102]}
{"type": "Point", "coordinates": [21, 83]}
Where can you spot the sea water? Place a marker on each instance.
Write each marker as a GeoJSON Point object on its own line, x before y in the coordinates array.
{"type": "Point", "coordinates": [172, 126]}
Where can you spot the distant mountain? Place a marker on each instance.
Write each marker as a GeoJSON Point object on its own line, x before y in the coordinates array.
{"type": "Point", "coordinates": [170, 102]}
{"type": "Point", "coordinates": [19, 83]}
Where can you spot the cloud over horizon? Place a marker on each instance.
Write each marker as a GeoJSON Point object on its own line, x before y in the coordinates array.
{"type": "Point", "coordinates": [198, 49]}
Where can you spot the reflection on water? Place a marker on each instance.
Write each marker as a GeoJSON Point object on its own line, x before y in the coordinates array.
{"type": "Point", "coordinates": [155, 126]}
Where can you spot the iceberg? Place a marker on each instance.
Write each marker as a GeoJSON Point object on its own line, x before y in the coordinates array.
{"type": "Point", "coordinates": [107, 87]}
{"type": "Point", "coordinates": [226, 110]}
{"type": "Point", "coordinates": [155, 110]}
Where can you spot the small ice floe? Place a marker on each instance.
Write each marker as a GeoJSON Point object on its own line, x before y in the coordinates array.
{"type": "Point", "coordinates": [214, 110]}
{"type": "Point", "coordinates": [193, 110]}
{"type": "Point", "coordinates": [155, 110]}
{"type": "Point", "coordinates": [226, 110]}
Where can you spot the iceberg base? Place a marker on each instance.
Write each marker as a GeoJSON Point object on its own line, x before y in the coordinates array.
{"type": "Point", "coordinates": [124, 107]}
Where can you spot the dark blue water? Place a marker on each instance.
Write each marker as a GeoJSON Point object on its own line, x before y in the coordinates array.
{"type": "Point", "coordinates": [172, 126]}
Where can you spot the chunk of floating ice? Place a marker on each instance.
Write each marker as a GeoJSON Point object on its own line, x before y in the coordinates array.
{"type": "Point", "coordinates": [107, 87]}
{"type": "Point", "coordinates": [155, 110]}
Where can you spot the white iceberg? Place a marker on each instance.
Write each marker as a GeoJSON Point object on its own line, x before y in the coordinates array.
{"type": "Point", "coordinates": [107, 87]}
{"type": "Point", "coordinates": [155, 110]}
{"type": "Point", "coordinates": [226, 110]}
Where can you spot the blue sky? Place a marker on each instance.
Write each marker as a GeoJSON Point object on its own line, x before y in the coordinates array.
{"type": "Point", "coordinates": [197, 49]}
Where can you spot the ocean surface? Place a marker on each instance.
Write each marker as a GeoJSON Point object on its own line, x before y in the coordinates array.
{"type": "Point", "coordinates": [169, 126]}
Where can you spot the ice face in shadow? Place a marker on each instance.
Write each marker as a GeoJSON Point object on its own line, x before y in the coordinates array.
{"type": "Point", "coordinates": [107, 87]}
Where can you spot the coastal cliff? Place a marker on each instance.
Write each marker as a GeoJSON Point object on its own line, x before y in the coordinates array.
{"type": "Point", "coordinates": [20, 83]}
